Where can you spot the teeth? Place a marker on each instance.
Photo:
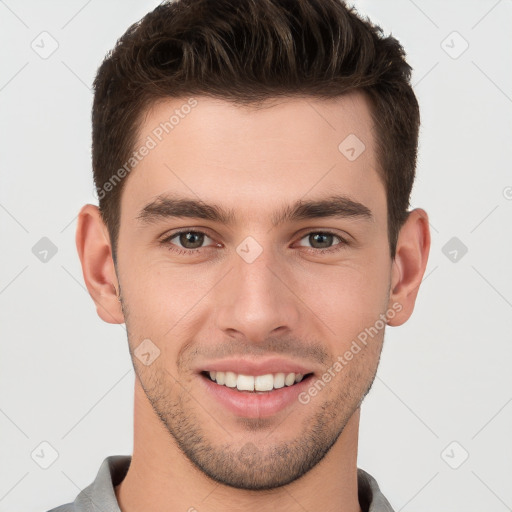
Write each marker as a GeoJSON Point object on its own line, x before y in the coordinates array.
{"type": "Point", "coordinates": [259, 383]}
{"type": "Point", "coordinates": [279, 380]}
{"type": "Point", "coordinates": [263, 382]}
{"type": "Point", "coordinates": [245, 383]}
{"type": "Point", "coordinates": [230, 379]}
{"type": "Point", "coordinates": [289, 379]}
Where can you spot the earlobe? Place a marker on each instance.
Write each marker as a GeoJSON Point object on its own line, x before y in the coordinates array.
{"type": "Point", "coordinates": [95, 253]}
{"type": "Point", "coordinates": [409, 265]}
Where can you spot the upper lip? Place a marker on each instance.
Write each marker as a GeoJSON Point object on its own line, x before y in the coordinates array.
{"type": "Point", "coordinates": [255, 367]}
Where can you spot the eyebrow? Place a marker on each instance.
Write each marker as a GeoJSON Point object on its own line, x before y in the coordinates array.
{"type": "Point", "coordinates": [170, 206]}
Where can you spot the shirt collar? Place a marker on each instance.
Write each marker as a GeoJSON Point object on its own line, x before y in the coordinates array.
{"type": "Point", "coordinates": [100, 494]}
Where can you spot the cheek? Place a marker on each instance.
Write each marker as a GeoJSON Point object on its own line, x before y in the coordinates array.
{"type": "Point", "coordinates": [151, 283]}
{"type": "Point", "coordinates": [164, 301]}
{"type": "Point", "coordinates": [339, 299]}
{"type": "Point", "coordinates": [349, 302]}
{"type": "Point", "coordinates": [346, 297]}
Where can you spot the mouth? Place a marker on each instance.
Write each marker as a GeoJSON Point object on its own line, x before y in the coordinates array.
{"type": "Point", "coordinates": [256, 384]}
{"type": "Point", "coordinates": [255, 388]}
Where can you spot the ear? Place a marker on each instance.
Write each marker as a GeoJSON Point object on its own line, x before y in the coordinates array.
{"type": "Point", "coordinates": [409, 265]}
{"type": "Point", "coordinates": [95, 253]}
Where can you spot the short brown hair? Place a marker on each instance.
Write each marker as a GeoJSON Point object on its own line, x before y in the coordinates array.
{"type": "Point", "coordinates": [247, 51]}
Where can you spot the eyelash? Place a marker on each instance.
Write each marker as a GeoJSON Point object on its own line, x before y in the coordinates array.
{"type": "Point", "coordinates": [192, 252]}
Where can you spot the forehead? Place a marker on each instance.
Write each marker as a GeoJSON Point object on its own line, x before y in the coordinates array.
{"type": "Point", "coordinates": [247, 157]}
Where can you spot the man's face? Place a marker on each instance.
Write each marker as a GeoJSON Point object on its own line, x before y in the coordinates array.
{"type": "Point", "coordinates": [223, 295]}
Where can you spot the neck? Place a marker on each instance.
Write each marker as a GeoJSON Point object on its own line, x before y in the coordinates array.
{"type": "Point", "coordinates": [162, 475]}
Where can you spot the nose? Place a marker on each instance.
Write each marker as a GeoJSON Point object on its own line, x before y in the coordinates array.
{"type": "Point", "coordinates": [257, 299]}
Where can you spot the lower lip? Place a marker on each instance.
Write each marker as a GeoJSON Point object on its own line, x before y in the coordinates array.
{"type": "Point", "coordinates": [255, 404]}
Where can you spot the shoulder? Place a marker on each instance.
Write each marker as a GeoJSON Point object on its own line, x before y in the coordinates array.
{"type": "Point", "coordinates": [68, 507]}
{"type": "Point", "coordinates": [370, 496]}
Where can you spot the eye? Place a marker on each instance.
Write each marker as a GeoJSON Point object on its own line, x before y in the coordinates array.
{"type": "Point", "coordinates": [187, 242]}
{"type": "Point", "coordinates": [321, 241]}
{"type": "Point", "coordinates": [190, 243]}
{"type": "Point", "coordinates": [190, 239]}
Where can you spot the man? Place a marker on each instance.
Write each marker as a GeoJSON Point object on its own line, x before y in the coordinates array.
{"type": "Point", "coordinates": [253, 161]}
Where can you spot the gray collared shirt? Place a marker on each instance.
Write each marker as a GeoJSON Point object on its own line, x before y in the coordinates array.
{"type": "Point", "coordinates": [100, 494]}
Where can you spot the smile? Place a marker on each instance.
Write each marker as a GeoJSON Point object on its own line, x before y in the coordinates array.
{"type": "Point", "coordinates": [267, 382]}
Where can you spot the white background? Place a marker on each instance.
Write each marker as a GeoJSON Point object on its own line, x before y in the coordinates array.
{"type": "Point", "coordinates": [66, 377]}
